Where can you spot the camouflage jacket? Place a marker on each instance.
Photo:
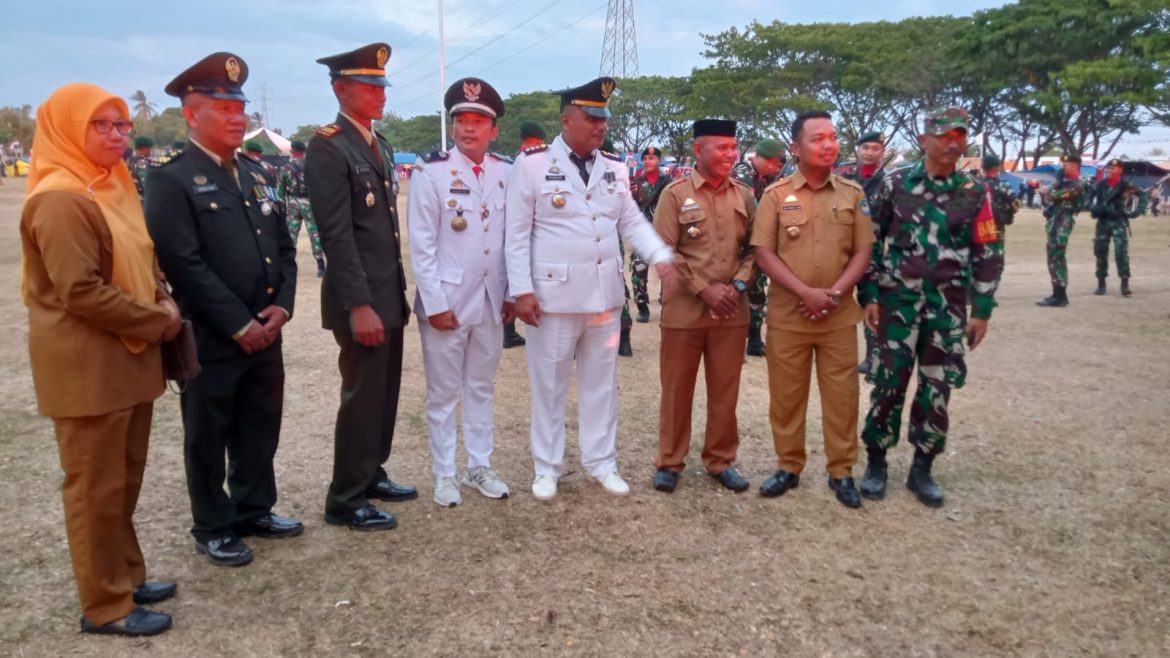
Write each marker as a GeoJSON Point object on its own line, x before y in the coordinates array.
{"type": "Point", "coordinates": [1116, 202]}
{"type": "Point", "coordinates": [139, 165]}
{"type": "Point", "coordinates": [745, 173]}
{"type": "Point", "coordinates": [1066, 196]}
{"type": "Point", "coordinates": [872, 185]}
{"type": "Point", "coordinates": [935, 239]}
{"type": "Point", "coordinates": [292, 180]}
{"type": "Point", "coordinates": [1004, 203]}
{"type": "Point", "coordinates": [646, 193]}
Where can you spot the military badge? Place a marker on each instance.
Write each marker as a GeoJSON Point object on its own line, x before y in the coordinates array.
{"type": "Point", "coordinates": [607, 87]}
{"type": "Point", "coordinates": [232, 68]}
{"type": "Point", "coordinates": [265, 208]}
{"type": "Point", "coordinates": [558, 201]}
{"type": "Point", "coordinates": [458, 222]}
{"type": "Point", "coordinates": [369, 199]}
{"type": "Point", "coordinates": [382, 57]}
{"type": "Point", "coordinates": [790, 197]}
{"type": "Point", "coordinates": [471, 91]}
{"type": "Point", "coordinates": [200, 179]}
{"type": "Point", "coordinates": [214, 206]}
{"type": "Point", "coordinates": [793, 232]}
{"type": "Point", "coordinates": [451, 203]}
{"type": "Point", "coordinates": [554, 169]}
{"type": "Point", "coordinates": [693, 231]}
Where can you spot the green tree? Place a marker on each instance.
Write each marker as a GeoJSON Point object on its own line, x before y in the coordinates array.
{"type": "Point", "coordinates": [164, 128]}
{"type": "Point", "coordinates": [539, 106]}
{"type": "Point", "coordinates": [304, 133]}
{"type": "Point", "coordinates": [141, 108]}
{"type": "Point", "coordinates": [418, 134]}
{"type": "Point", "coordinates": [17, 124]}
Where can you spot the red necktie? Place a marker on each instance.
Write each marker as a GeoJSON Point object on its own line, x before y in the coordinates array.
{"type": "Point", "coordinates": [478, 172]}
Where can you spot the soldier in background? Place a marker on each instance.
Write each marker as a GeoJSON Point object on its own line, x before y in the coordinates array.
{"type": "Point", "coordinates": [1003, 201]}
{"type": "Point", "coordinates": [1066, 198]}
{"type": "Point", "coordinates": [253, 150]}
{"type": "Point", "coordinates": [141, 162]}
{"type": "Point", "coordinates": [295, 194]}
{"type": "Point", "coordinates": [871, 150]}
{"type": "Point", "coordinates": [758, 170]}
{"type": "Point", "coordinates": [646, 187]}
{"type": "Point", "coordinates": [531, 136]}
{"type": "Point", "coordinates": [1113, 201]}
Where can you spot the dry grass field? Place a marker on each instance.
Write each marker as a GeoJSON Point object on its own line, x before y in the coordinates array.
{"type": "Point", "coordinates": [1055, 540]}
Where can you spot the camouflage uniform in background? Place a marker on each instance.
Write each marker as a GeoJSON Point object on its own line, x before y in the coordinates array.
{"type": "Point", "coordinates": [1065, 200]}
{"type": "Point", "coordinates": [1003, 206]}
{"type": "Point", "coordinates": [295, 194]}
{"type": "Point", "coordinates": [757, 294]}
{"type": "Point", "coordinates": [139, 166]}
{"type": "Point", "coordinates": [1111, 205]}
{"type": "Point", "coordinates": [874, 186]}
{"type": "Point", "coordinates": [936, 240]}
{"type": "Point", "coordinates": [646, 196]}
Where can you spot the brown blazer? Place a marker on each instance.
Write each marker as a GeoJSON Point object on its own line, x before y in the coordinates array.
{"type": "Point", "coordinates": [80, 366]}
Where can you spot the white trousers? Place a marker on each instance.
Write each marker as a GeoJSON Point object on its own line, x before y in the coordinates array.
{"type": "Point", "coordinates": [591, 339]}
{"type": "Point", "coordinates": [460, 364]}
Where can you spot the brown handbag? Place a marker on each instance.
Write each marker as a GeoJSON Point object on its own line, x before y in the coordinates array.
{"type": "Point", "coordinates": [180, 357]}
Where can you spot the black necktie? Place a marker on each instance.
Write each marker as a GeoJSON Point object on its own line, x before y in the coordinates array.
{"type": "Point", "coordinates": [581, 162]}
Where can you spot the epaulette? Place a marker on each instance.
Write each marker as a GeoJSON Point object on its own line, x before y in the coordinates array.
{"type": "Point", "coordinates": [851, 182]}
{"type": "Point", "coordinates": [741, 183]}
{"type": "Point", "coordinates": [535, 149]}
{"type": "Point", "coordinates": [329, 130]}
{"type": "Point", "coordinates": [612, 156]}
{"type": "Point", "coordinates": [435, 156]}
{"type": "Point", "coordinates": [783, 180]}
{"type": "Point", "coordinates": [502, 158]}
{"type": "Point", "coordinates": [174, 158]}
{"type": "Point", "coordinates": [674, 182]}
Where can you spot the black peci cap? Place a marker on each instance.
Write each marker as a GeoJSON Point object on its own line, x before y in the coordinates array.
{"type": "Point", "coordinates": [714, 128]}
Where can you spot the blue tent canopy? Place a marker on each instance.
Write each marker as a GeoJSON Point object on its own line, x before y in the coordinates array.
{"type": "Point", "coordinates": [403, 158]}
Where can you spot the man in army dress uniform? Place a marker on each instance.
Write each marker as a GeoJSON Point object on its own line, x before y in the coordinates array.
{"type": "Point", "coordinates": [871, 150]}
{"type": "Point", "coordinates": [221, 239]}
{"type": "Point", "coordinates": [353, 189]}
{"type": "Point", "coordinates": [646, 187]}
{"type": "Point", "coordinates": [295, 195]}
{"type": "Point", "coordinates": [567, 204]}
{"type": "Point", "coordinates": [936, 243]}
{"type": "Point", "coordinates": [141, 162]}
{"type": "Point", "coordinates": [759, 170]}
{"type": "Point", "coordinates": [1113, 201]}
{"type": "Point", "coordinates": [1065, 199]}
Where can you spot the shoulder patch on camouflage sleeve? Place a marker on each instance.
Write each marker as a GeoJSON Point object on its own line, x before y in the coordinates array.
{"type": "Point", "coordinates": [611, 156]}
{"type": "Point", "coordinates": [535, 149]}
{"type": "Point", "coordinates": [328, 130]}
{"type": "Point", "coordinates": [501, 157]}
{"type": "Point", "coordinates": [435, 156]}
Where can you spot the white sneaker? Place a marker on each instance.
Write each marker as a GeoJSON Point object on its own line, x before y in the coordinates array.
{"type": "Point", "coordinates": [486, 481]}
{"type": "Point", "coordinates": [544, 487]}
{"type": "Point", "coordinates": [614, 484]}
{"type": "Point", "coordinates": [447, 492]}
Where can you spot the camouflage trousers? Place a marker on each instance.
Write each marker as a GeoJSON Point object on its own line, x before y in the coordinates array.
{"type": "Point", "coordinates": [627, 321]}
{"type": "Point", "coordinates": [639, 277]}
{"type": "Point", "coordinates": [758, 299]}
{"type": "Point", "coordinates": [1116, 230]}
{"type": "Point", "coordinates": [910, 333]}
{"type": "Point", "coordinates": [1058, 227]}
{"type": "Point", "coordinates": [299, 213]}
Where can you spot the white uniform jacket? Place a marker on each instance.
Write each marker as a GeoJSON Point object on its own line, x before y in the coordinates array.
{"type": "Point", "coordinates": [456, 226]}
{"type": "Point", "coordinates": [562, 238]}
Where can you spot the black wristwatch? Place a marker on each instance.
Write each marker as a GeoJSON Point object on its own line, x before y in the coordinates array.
{"type": "Point", "coordinates": [739, 285]}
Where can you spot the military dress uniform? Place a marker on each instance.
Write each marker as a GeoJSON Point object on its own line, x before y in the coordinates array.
{"type": "Point", "coordinates": [746, 173]}
{"type": "Point", "coordinates": [561, 244]}
{"type": "Point", "coordinates": [646, 192]}
{"type": "Point", "coordinates": [295, 194]}
{"type": "Point", "coordinates": [456, 227]}
{"type": "Point", "coordinates": [708, 227]}
{"type": "Point", "coordinates": [353, 191]}
{"type": "Point", "coordinates": [221, 239]}
{"type": "Point", "coordinates": [1113, 203]}
{"type": "Point", "coordinates": [936, 241]}
{"type": "Point", "coordinates": [872, 182]}
{"type": "Point", "coordinates": [1065, 199]}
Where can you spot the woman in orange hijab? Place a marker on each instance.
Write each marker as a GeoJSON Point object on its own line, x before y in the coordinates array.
{"type": "Point", "coordinates": [97, 310]}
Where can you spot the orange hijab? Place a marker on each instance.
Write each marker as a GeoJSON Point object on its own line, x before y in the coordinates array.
{"type": "Point", "coordinates": [59, 163]}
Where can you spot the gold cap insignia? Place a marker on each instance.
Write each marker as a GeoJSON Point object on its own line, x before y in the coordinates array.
{"type": "Point", "coordinates": [232, 66]}
{"type": "Point", "coordinates": [383, 56]}
{"type": "Point", "coordinates": [471, 91]}
{"type": "Point", "coordinates": [606, 89]}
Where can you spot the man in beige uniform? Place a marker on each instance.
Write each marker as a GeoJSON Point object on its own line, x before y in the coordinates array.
{"type": "Point", "coordinates": [813, 239]}
{"type": "Point", "coordinates": [706, 218]}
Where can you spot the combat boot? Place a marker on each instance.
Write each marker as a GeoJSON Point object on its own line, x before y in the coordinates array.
{"type": "Point", "coordinates": [1058, 299]}
{"type": "Point", "coordinates": [921, 483]}
{"type": "Point", "coordinates": [873, 484]}
{"type": "Point", "coordinates": [1100, 286]}
{"type": "Point", "coordinates": [512, 338]}
{"type": "Point", "coordinates": [320, 268]}
{"type": "Point", "coordinates": [643, 312]}
{"type": "Point", "coordinates": [1125, 291]}
{"type": "Point", "coordinates": [624, 347]}
{"type": "Point", "coordinates": [755, 344]}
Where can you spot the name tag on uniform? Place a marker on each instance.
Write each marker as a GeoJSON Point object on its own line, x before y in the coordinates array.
{"type": "Point", "coordinates": [364, 169]}
{"type": "Point", "coordinates": [205, 189]}
{"type": "Point", "coordinates": [688, 207]}
{"type": "Point", "coordinates": [555, 177]}
{"type": "Point", "coordinates": [787, 208]}
{"type": "Point", "coordinates": [459, 190]}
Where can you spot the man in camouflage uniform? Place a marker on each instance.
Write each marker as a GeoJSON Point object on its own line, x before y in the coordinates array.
{"type": "Point", "coordinates": [1110, 202]}
{"type": "Point", "coordinates": [758, 170]}
{"type": "Point", "coordinates": [141, 162]}
{"type": "Point", "coordinates": [295, 195]}
{"type": "Point", "coordinates": [646, 187]}
{"type": "Point", "coordinates": [1066, 198]}
{"type": "Point", "coordinates": [1003, 200]}
{"type": "Point", "coordinates": [936, 241]}
{"type": "Point", "coordinates": [871, 150]}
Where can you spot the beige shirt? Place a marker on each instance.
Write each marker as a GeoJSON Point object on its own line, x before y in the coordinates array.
{"type": "Point", "coordinates": [815, 231]}
{"type": "Point", "coordinates": [708, 228]}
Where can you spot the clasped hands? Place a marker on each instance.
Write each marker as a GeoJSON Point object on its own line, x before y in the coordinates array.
{"type": "Point", "coordinates": [817, 303]}
{"type": "Point", "coordinates": [264, 329]}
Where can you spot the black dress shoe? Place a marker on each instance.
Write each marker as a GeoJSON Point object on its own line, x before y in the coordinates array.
{"type": "Point", "coordinates": [366, 519]}
{"type": "Point", "coordinates": [153, 592]}
{"type": "Point", "coordinates": [225, 551]}
{"type": "Point", "coordinates": [270, 526]}
{"type": "Point", "coordinates": [665, 480]}
{"type": "Point", "coordinates": [389, 491]}
{"type": "Point", "coordinates": [138, 623]}
{"type": "Point", "coordinates": [731, 478]}
{"type": "Point", "coordinates": [778, 483]}
{"type": "Point", "coordinates": [846, 491]}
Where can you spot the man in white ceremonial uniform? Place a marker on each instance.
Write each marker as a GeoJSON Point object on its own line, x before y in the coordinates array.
{"type": "Point", "coordinates": [456, 221]}
{"type": "Point", "coordinates": [567, 205]}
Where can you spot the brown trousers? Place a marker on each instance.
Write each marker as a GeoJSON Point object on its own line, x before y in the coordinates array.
{"type": "Point", "coordinates": [721, 349]}
{"type": "Point", "coordinates": [103, 458]}
{"type": "Point", "coordinates": [790, 357]}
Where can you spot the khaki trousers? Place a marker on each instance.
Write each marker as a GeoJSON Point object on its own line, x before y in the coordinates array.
{"type": "Point", "coordinates": [103, 458]}
{"type": "Point", "coordinates": [790, 358]}
{"type": "Point", "coordinates": [721, 350]}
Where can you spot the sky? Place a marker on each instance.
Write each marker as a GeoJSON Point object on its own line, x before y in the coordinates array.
{"type": "Point", "coordinates": [516, 45]}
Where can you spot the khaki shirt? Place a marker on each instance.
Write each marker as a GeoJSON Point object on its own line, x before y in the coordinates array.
{"type": "Point", "coordinates": [708, 229]}
{"type": "Point", "coordinates": [815, 232]}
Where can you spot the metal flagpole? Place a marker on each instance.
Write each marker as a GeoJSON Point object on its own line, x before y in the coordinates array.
{"type": "Point", "coordinates": [442, 82]}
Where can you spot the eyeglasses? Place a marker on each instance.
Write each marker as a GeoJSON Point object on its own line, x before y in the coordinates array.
{"type": "Point", "coordinates": [103, 126]}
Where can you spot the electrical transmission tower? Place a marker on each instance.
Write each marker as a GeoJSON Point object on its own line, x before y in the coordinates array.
{"type": "Point", "coordinates": [619, 49]}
